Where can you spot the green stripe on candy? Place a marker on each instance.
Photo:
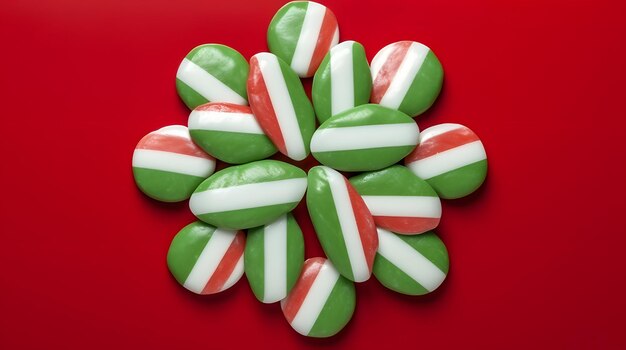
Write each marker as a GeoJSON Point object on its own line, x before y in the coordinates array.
{"type": "Point", "coordinates": [459, 182]}
{"type": "Point", "coordinates": [288, 22]}
{"type": "Point", "coordinates": [425, 87]}
{"type": "Point", "coordinates": [186, 247]}
{"type": "Point", "coordinates": [152, 183]}
{"type": "Point", "coordinates": [396, 180]}
{"type": "Point", "coordinates": [191, 98]}
{"type": "Point", "coordinates": [376, 158]}
{"type": "Point", "coordinates": [321, 90]}
{"type": "Point", "coordinates": [295, 251]}
{"type": "Point", "coordinates": [337, 310]}
{"type": "Point", "coordinates": [242, 174]}
{"type": "Point", "coordinates": [367, 114]}
{"type": "Point", "coordinates": [254, 261]}
{"type": "Point", "coordinates": [235, 219]}
{"type": "Point", "coordinates": [362, 75]}
{"type": "Point", "coordinates": [234, 147]}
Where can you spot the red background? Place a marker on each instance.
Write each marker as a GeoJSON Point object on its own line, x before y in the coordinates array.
{"type": "Point", "coordinates": [537, 255]}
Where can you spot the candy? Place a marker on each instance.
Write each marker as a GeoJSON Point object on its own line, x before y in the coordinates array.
{"type": "Point", "coordinates": [212, 73]}
{"type": "Point", "coordinates": [412, 265]}
{"type": "Point", "coordinates": [342, 222]}
{"type": "Point", "coordinates": [280, 105]}
{"type": "Point", "coordinates": [407, 76]}
{"type": "Point", "coordinates": [229, 132]}
{"type": "Point", "coordinates": [205, 259]}
{"type": "Point", "coordinates": [168, 166]}
{"type": "Point", "coordinates": [342, 81]}
{"type": "Point", "coordinates": [451, 158]}
{"type": "Point", "coordinates": [367, 137]}
{"type": "Point", "coordinates": [301, 33]}
{"type": "Point", "coordinates": [249, 195]}
{"type": "Point", "coordinates": [322, 301]}
{"type": "Point", "coordinates": [398, 200]}
{"type": "Point", "coordinates": [273, 258]}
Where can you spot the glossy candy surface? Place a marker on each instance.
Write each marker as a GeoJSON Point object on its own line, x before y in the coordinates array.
{"type": "Point", "coordinates": [273, 258]}
{"type": "Point", "coordinates": [322, 301]}
{"type": "Point", "coordinates": [342, 81]}
{"type": "Point", "coordinates": [407, 76]}
{"type": "Point", "coordinates": [205, 259]}
{"type": "Point", "coordinates": [451, 158]}
{"type": "Point", "coordinates": [301, 33]}
{"type": "Point", "coordinates": [412, 265]}
{"type": "Point", "coordinates": [212, 73]}
{"type": "Point", "coordinates": [168, 166]}
{"type": "Point", "coordinates": [344, 225]}
{"type": "Point", "coordinates": [367, 137]}
{"type": "Point", "coordinates": [280, 105]}
{"type": "Point", "coordinates": [229, 132]}
{"type": "Point", "coordinates": [249, 195]}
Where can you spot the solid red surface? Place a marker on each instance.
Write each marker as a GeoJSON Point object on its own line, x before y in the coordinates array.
{"type": "Point", "coordinates": [537, 254]}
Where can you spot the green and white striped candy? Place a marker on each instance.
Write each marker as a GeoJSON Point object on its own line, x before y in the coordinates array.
{"type": "Point", "coordinates": [301, 33]}
{"type": "Point", "coordinates": [168, 166]}
{"type": "Point", "coordinates": [398, 200]}
{"type": "Point", "coordinates": [229, 132]}
{"type": "Point", "coordinates": [273, 258]}
{"type": "Point", "coordinates": [412, 265]}
{"type": "Point", "coordinates": [212, 73]}
{"type": "Point", "coordinates": [249, 195]}
{"type": "Point", "coordinates": [364, 138]}
{"type": "Point", "coordinates": [322, 301]}
{"type": "Point", "coordinates": [342, 81]}
{"type": "Point", "coordinates": [407, 76]}
{"type": "Point", "coordinates": [205, 259]}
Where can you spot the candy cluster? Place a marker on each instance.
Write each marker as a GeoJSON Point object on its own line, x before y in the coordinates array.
{"type": "Point", "coordinates": [379, 221]}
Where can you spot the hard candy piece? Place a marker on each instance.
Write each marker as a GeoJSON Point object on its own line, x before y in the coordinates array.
{"type": "Point", "coordinates": [342, 81]}
{"type": "Point", "coordinates": [229, 132]}
{"type": "Point", "coordinates": [451, 158]}
{"type": "Point", "coordinates": [412, 265]}
{"type": "Point", "coordinates": [280, 105]}
{"type": "Point", "coordinates": [212, 73]}
{"type": "Point", "coordinates": [301, 33]}
{"type": "Point", "coordinates": [322, 301]}
{"type": "Point", "coordinates": [205, 259]}
{"type": "Point", "coordinates": [273, 258]}
{"type": "Point", "coordinates": [168, 166]}
{"type": "Point", "coordinates": [343, 224]}
{"type": "Point", "coordinates": [367, 137]}
{"type": "Point", "coordinates": [249, 195]}
{"type": "Point", "coordinates": [398, 200]}
{"type": "Point", "coordinates": [407, 76]}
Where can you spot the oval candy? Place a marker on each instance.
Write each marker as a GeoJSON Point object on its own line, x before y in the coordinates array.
{"type": "Point", "coordinates": [249, 195]}
{"type": "Point", "coordinates": [364, 138]}
{"type": "Point", "coordinates": [451, 158]}
{"type": "Point", "coordinates": [273, 258]}
{"type": "Point", "coordinates": [398, 200]}
{"type": "Point", "coordinates": [229, 132]}
{"type": "Point", "coordinates": [322, 301]}
{"type": "Point", "coordinates": [280, 105]}
{"type": "Point", "coordinates": [344, 225]}
{"type": "Point", "coordinates": [407, 76]}
{"type": "Point", "coordinates": [212, 73]}
{"type": "Point", "coordinates": [342, 81]}
{"type": "Point", "coordinates": [205, 259]}
{"type": "Point", "coordinates": [301, 33]}
{"type": "Point", "coordinates": [168, 166]}
{"type": "Point", "coordinates": [412, 265]}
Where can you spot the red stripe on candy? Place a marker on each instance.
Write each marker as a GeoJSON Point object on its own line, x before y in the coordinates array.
{"type": "Point", "coordinates": [365, 224]}
{"type": "Point", "coordinates": [226, 265]}
{"type": "Point", "coordinates": [406, 225]}
{"type": "Point", "coordinates": [294, 300]}
{"type": "Point", "coordinates": [174, 144]}
{"type": "Point", "coordinates": [324, 40]}
{"type": "Point", "coordinates": [224, 107]}
{"type": "Point", "coordinates": [446, 141]}
{"type": "Point", "coordinates": [388, 70]}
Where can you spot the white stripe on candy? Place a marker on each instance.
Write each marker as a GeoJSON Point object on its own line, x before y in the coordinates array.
{"type": "Point", "coordinates": [275, 259]}
{"type": "Point", "coordinates": [410, 206]}
{"type": "Point", "coordinates": [409, 260]}
{"type": "Point", "coordinates": [174, 130]}
{"type": "Point", "coordinates": [341, 77]}
{"type": "Point", "coordinates": [380, 59]}
{"type": "Point", "coordinates": [205, 84]}
{"type": "Point", "coordinates": [248, 196]}
{"type": "Point", "coordinates": [235, 275]}
{"type": "Point", "coordinates": [283, 107]}
{"type": "Point", "coordinates": [348, 225]}
{"type": "Point", "coordinates": [402, 80]}
{"type": "Point", "coordinates": [209, 259]}
{"type": "Point", "coordinates": [315, 299]}
{"type": "Point", "coordinates": [364, 137]}
{"type": "Point", "coordinates": [224, 121]}
{"type": "Point", "coordinates": [173, 162]}
{"type": "Point", "coordinates": [449, 160]}
{"type": "Point", "coordinates": [307, 40]}
{"type": "Point", "coordinates": [437, 130]}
